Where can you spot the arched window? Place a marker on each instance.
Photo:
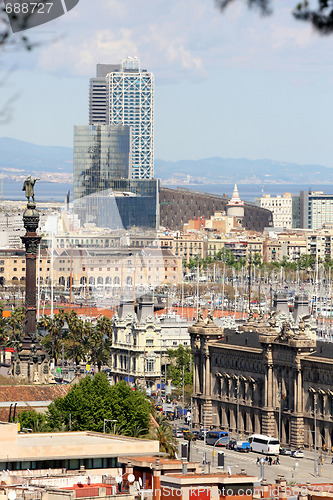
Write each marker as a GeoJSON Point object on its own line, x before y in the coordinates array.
{"type": "Point", "coordinates": [83, 280]}
{"type": "Point", "coordinates": [100, 280]}
{"type": "Point", "coordinates": [129, 280]}
{"type": "Point", "coordinates": [91, 280]}
{"type": "Point", "coordinates": [61, 281]}
{"type": "Point", "coordinates": [116, 280]}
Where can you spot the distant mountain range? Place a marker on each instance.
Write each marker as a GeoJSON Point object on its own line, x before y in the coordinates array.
{"type": "Point", "coordinates": [32, 158]}
{"type": "Point", "coordinates": [17, 158]}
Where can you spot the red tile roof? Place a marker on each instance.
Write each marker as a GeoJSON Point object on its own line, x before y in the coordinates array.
{"type": "Point", "coordinates": [26, 393]}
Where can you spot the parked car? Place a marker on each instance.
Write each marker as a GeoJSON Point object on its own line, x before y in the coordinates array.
{"type": "Point", "coordinates": [242, 446]}
{"type": "Point", "coordinates": [285, 451]}
{"type": "Point", "coordinates": [231, 445]}
{"type": "Point", "coordinates": [297, 454]}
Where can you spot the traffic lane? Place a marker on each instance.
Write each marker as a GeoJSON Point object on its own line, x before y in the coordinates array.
{"type": "Point", "coordinates": [301, 469]}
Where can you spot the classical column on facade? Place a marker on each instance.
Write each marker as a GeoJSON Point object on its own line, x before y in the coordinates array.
{"type": "Point", "coordinates": [195, 375]}
{"type": "Point", "coordinates": [207, 372]}
{"type": "Point", "coordinates": [30, 362]}
{"type": "Point", "coordinates": [268, 420]}
{"type": "Point", "coordinates": [202, 333]}
{"type": "Point", "coordinates": [297, 421]}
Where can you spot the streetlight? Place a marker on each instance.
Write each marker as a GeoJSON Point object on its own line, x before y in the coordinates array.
{"type": "Point", "coordinates": [107, 420]}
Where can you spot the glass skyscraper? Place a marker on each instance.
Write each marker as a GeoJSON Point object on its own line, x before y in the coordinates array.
{"type": "Point", "coordinates": [125, 94]}
{"type": "Point", "coordinates": [102, 153]}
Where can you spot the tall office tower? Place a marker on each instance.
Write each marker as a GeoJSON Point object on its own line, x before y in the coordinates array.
{"type": "Point", "coordinates": [97, 93]}
{"type": "Point", "coordinates": [104, 192]}
{"type": "Point", "coordinates": [102, 153]}
{"type": "Point", "coordinates": [130, 101]}
{"type": "Point", "coordinates": [316, 209]}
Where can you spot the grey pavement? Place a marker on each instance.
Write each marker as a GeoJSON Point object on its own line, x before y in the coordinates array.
{"type": "Point", "coordinates": [295, 470]}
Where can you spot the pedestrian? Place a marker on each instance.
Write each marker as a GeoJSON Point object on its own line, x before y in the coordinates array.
{"type": "Point", "coordinates": [277, 461]}
{"type": "Point", "coordinates": [332, 461]}
{"type": "Point", "coordinates": [258, 461]}
{"type": "Point", "coordinates": [270, 460]}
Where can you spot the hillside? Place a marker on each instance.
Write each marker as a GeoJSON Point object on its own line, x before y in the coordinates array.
{"type": "Point", "coordinates": [18, 158]}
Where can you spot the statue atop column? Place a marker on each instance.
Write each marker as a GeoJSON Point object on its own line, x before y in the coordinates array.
{"type": "Point", "coordinates": [28, 187]}
{"type": "Point", "coordinates": [30, 362]}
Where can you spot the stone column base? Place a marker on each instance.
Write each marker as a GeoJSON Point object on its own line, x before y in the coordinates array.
{"type": "Point", "coordinates": [297, 431]}
{"type": "Point", "coordinates": [268, 424]}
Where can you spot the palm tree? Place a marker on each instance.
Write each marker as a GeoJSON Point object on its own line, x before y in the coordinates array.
{"type": "Point", "coordinates": [100, 341]}
{"type": "Point", "coordinates": [53, 327]}
{"type": "Point", "coordinates": [76, 338]}
{"type": "Point", "coordinates": [15, 324]}
{"type": "Point", "coordinates": [163, 433]}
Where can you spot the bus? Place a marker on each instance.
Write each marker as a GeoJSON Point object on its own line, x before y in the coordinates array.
{"type": "Point", "coordinates": [221, 436]}
{"type": "Point", "coordinates": [264, 444]}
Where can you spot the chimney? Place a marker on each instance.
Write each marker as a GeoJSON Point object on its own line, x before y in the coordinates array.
{"type": "Point", "coordinates": [280, 302]}
{"type": "Point", "coordinates": [301, 306]}
{"type": "Point", "coordinates": [146, 308]}
{"type": "Point", "coordinates": [125, 307]}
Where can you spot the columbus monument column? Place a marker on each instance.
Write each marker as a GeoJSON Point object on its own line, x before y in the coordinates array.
{"type": "Point", "coordinates": [30, 362]}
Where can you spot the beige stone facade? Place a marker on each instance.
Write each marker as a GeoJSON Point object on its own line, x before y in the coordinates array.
{"type": "Point", "coordinates": [272, 377]}
{"type": "Point", "coordinates": [100, 269]}
{"type": "Point", "coordinates": [54, 448]}
{"type": "Point", "coordinates": [136, 344]}
{"type": "Point", "coordinates": [186, 246]}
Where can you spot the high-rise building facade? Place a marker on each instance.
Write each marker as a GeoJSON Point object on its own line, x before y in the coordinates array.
{"type": "Point", "coordinates": [104, 192]}
{"type": "Point", "coordinates": [123, 94]}
{"type": "Point", "coordinates": [130, 101]}
{"type": "Point", "coordinates": [281, 208]}
{"type": "Point", "coordinates": [102, 153]}
{"type": "Point", "coordinates": [97, 93]}
{"type": "Point", "coordinates": [316, 209]}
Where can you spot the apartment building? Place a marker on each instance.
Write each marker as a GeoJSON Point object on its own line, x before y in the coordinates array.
{"type": "Point", "coordinates": [281, 208]}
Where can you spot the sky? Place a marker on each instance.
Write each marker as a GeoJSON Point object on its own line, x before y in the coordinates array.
{"type": "Point", "coordinates": [235, 85]}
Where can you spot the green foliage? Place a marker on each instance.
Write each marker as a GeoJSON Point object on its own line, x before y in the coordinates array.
{"type": "Point", "coordinates": [319, 14]}
{"type": "Point", "coordinates": [306, 261]}
{"type": "Point", "coordinates": [83, 341]}
{"type": "Point", "coordinates": [53, 328]}
{"type": "Point", "coordinates": [223, 255]}
{"type": "Point", "coordinates": [30, 419]}
{"type": "Point", "coordinates": [15, 325]}
{"type": "Point", "coordinates": [93, 400]}
{"type": "Point", "coordinates": [163, 433]}
{"type": "Point", "coordinates": [181, 363]}
{"type": "Point", "coordinates": [3, 331]}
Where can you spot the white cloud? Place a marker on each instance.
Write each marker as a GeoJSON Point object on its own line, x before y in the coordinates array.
{"type": "Point", "coordinates": [179, 40]}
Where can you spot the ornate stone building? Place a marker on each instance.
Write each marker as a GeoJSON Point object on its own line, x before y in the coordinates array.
{"type": "Point", "coordinates": [136, 344]}
{"type": "Point", "coordinates": [270, 377]}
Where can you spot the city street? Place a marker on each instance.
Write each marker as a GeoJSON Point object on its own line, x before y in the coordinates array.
{"type": "Point", "coordinates": [294, 470]}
